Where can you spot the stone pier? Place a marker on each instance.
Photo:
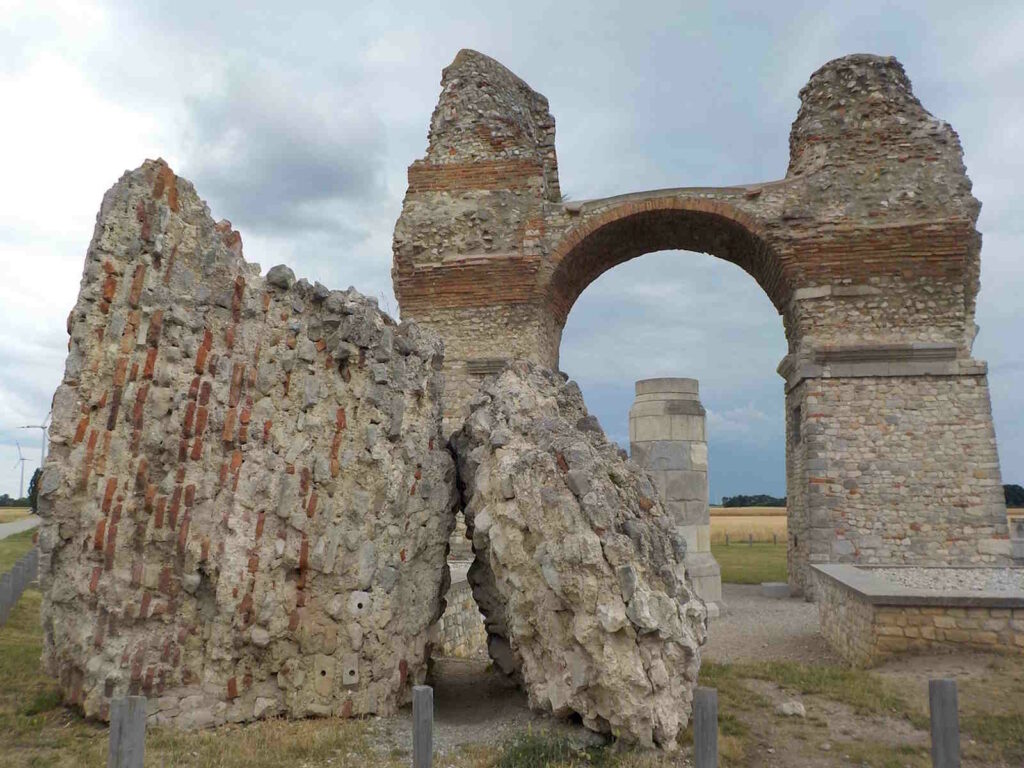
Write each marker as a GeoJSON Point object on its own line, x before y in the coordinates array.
{"type": "Point", "coordinates": [667, 437]}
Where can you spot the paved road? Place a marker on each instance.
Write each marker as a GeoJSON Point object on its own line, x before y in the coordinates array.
{"type": "Point", "coordinates": [6, 529]}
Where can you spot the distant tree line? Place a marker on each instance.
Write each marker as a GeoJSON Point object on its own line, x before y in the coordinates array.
{"type": "Point", "coordinates": [26, 501]}
{"type": "Point", "coordinates": [1014, 495]}
{"type": "Point", "coordinates": [1014, 498]}
{"type": "Point", "coordinates": [757, 500]}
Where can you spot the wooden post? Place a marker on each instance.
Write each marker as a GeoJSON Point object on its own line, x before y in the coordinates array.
{"type": "Point", "coordinates": [127, 732]}
{"type": "Point", "coordinates": [750, 539]}
{"type": "Point", "coordinates": [775, 539]}
{"type": "Point", "coordinates": [705, 728]}
{"type": "Point", "coordinates": [942, 701]}
{"type": "Point", "coordinates": [422, 726]}
{"type": "Point", "coordinates": [6, 596]}
{"type": "Point", "coordinates": [727, 539]}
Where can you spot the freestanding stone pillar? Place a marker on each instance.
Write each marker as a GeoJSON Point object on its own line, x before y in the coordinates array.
{"type": "Point", "coordinates": [667, 437]}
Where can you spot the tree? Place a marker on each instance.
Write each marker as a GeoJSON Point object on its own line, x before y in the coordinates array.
{"type": "Point", "coordinates": [1014, 495]}
{"type": "Point", "coordinates": [757, 500]}
{"type": "Point", "coordinates": [33, 489]}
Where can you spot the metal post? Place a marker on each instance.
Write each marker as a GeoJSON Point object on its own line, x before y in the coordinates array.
{"type": "Point", "coordinates": [942, 701]}
{"type": "Point", "coordinates": [422, 726]}
{"type": "Point", "coordinates": [705, 728]}
{"type": "Point", "coordinates": [127, 732]}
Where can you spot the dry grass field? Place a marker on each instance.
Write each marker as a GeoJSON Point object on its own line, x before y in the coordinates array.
{"type": "Point", "coordinates": [10, 514]}
{"type": "Point", "coordinates": [742, 522]}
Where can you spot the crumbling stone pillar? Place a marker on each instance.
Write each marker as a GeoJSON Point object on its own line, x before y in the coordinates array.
{"type": "Point", "coordinates": [667, 437]}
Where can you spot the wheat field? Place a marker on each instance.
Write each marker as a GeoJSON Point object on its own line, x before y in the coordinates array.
{"type": "Point", "coordinates": [742, 522]}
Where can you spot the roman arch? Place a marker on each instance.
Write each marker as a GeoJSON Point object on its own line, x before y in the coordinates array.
{"type": "Point", "coordinates": [867, 249]}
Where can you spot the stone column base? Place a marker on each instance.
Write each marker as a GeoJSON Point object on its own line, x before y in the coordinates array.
{"type": "Point", "coordinates": [706, 575]}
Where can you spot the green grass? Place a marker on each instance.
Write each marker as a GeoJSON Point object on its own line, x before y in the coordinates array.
{"type": "Point", "coordinates": [13, 547]}
{"type": "Point", "coordinates": [744, 564]}
{"type": "Point", "coordinates": [863, 692]}
{"type": "Point", "coordinates": [541, 750]}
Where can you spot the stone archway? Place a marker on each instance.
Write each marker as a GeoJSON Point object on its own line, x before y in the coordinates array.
{"type": "Point", "coordinates": [867, 248]}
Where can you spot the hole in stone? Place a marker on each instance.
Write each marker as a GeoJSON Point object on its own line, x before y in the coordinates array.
{"type": "Point", "coordinates": [359, 606]}
{"type": "Point", "coordinates": [323, 673]}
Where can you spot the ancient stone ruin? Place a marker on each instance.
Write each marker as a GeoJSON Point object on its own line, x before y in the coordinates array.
{"type": "Point", "coordinates": [248, 499]}
{"type": "Point", "coordinates": [668, 438]}
{"type": "Point", "coordinates": [867, 248]}
{"type": "Point", "coordinates": [250, 487]}
{"type": "Point", "coordinates": [578, 572]}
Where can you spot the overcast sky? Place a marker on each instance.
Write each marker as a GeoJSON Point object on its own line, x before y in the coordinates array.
{"type": "Point", "coordinates": [296, 121]}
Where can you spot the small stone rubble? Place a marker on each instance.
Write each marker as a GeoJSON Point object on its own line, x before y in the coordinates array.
{"type": "Point", "coordinates": [248, 501]}
{"type": "Point", "coordinates": [578, 571]}
{"type": "Point", "coordinates": [944, 580]}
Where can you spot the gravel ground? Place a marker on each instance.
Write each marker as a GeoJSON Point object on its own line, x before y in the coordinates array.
{"type": "Point", "coordinates": [756, 628]}
{"type": "Point", "coordinates": [954, 579]}
{"type": "Point", "coordinates": [474, 705]}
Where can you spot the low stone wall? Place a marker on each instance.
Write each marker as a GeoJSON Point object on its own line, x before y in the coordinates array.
{"type": "Point", "coordinates": [460, 631]}
{"type": "Point", "coordinates": [869, 614]}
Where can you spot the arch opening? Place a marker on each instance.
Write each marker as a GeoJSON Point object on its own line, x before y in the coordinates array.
{"type": "Point", "coordinates": [671, 314]}
{"type": "Point", "coordinates": [625, 232]}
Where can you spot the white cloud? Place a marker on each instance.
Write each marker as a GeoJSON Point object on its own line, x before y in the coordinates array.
{"type": "Point", "coordinates": [298, 122]}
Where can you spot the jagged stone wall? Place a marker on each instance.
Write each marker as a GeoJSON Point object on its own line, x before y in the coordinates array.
{"type": "Point", "coordinates": [578, 571]}
{"type": "Point", "coordinates": [867, 249]}
{"type": "Point", "coordinates": [247, 501]}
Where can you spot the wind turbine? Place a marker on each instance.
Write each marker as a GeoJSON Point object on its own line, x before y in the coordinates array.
{"type": "Point", "coordinates": [44, 426]}
{"type": "Point", "coordinates": [21, 460]}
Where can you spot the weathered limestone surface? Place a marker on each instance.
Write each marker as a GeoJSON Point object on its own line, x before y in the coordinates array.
{"type": "Point", "coordinates": [247, 500]}
{"type": "Point", "coordinates": [578, 571]}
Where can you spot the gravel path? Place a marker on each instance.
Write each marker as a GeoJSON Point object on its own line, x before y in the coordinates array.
{"type": "Point", "coordinates": [757, 628]}
{"type": "Point", "coordinates": [25, 524]}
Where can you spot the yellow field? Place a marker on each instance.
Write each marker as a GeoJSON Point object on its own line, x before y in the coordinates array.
{"type": "Point", "coordinates": [761, 522]}
{"type": "Point", "coordinates": [10, 514]}
{"type": "Point", "coordinates": [748, 511]}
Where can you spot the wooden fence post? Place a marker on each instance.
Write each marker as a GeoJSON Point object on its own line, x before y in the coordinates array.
{"type": "Point", "coordinates": [6, 596]}
{"type": "Point", "coordinates": [942, 701]}
{"type": "Point", "coordinates": [705, 728]}
{"type": "Point", "coordinates": [422, 726]}
{"type": "Point", "coordinates": [750, 539]}
{"type": "Point", "coordinates": [127, 732]}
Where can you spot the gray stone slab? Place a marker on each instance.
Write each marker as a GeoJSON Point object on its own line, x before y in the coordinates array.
{"type": "Point", "coordinates": [873, 589]}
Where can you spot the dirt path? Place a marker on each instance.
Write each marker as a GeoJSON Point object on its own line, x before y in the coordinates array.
{"type": "Point", "coordinates": [17, 526]}
{"type": "Point", "coordinates": [755, 628]}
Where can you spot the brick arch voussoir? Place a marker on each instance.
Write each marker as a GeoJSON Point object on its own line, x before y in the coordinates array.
{"type": "Point", "coordinates": [578, 235]}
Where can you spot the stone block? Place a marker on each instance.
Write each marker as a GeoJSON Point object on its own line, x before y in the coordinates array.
{"type": "Point", "coordinates": [686, 485]}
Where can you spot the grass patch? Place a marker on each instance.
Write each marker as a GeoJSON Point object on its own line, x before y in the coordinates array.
{"type": "Point", "coordinates": [543, 750]}
{"type": "Point", "coordinates": [743, 564]}
{"type": "Point", "coordinates": [10, 514]}
{"type": "Point", "coordinates": [863, 692]}
{"type": "Point", "coordinates": [13, 547]}
{"type": "Point", "coordinates": [1000, 733]}
{"type": "Point", "coordinates": [885, 756]}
